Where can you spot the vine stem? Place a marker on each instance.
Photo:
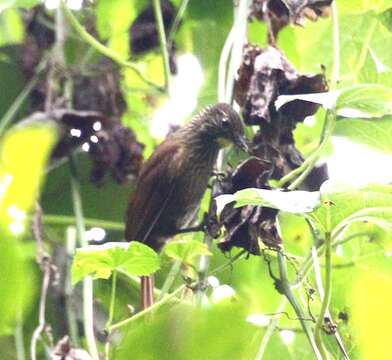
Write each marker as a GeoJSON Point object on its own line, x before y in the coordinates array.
{"type": "Point", "coordinates": [286, 289]}
{"type": "Point", "coordinates": [146, 311]}
{"type": "Point", "coordinates": [236, 257]}
{"type": "Point", "coordinates": [239, 38]}
{"type": "Point", "coordinates": [71, 318]}
{"type": "Point", "coordinates": [19, 337]}
{"type": "Point", "coordinates": [111, 314]}
{"type": "Point", "coordinates": [88, 314]}
{"type": "Point", "coordinates": [177, 21]}
{"type": "Point", "coordinates": [102, 49]}
{"type": "Point", "coordinates": [328, 280]}
{"type": "Point", "coordinates": [299, 174]}
{"type": "Point", "coordinates": [70, 220]}
{"type": "Point", "coordinates": [336, 46]}
{"type": "Point", "coordinates": [320, 288]}
{"type": "Point", "coordinates": [21, 98]}
{"type": "Point", "coordinates": [163, 44]}
{"type": "Point", "coordinates": [170, 278]}
{"type": "Point", "coordinates": [270, 330]}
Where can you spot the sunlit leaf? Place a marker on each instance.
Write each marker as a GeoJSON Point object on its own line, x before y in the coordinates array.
{"type": "Point", "coordinates": [11, 29]}
{"type": "Point", "coordinates": [371, 311]}
{"type": "Point", "coordinates": [5, 4]}
{"type": "Point", "coordinates": [296, 202]}
{"type": "Point", "coordinates": [24, 151]}
{"type": "Point", "coordinates": [366, 101]}
{"type": "Point", "coordinates": [100, 261]}
{"type": "Point", "coordinates": [186, 250]}
{"type": "Point", "coordinates": [371, 203]}
{"type": "Point", "coordinates": [374, 133]}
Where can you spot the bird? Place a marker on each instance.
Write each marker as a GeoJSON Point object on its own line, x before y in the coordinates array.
{"type": "Point", "coordinates": [172, 181]}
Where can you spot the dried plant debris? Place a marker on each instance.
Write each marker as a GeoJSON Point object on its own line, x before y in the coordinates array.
{"type": "Point", "coordinates": [144, 33]}
{"type": "Point", "coordinates": [100, 91]}
{"type": "Point", "coordinates": [244, 226]}
{"type": "Point", "coordinates": [280, 13]}
{"type": "Point", "coordinates": [113, 148]}
{"type": "Point", "coordinates": [263, 76]}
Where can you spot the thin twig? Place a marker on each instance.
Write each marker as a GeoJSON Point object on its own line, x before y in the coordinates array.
{"type": "Point", "coordinates": [223, 60]}
{"type": "Point", "coordinates": [236, 257]}
{"type": "Point", "coordinates": [299, 174]}
{"type": "Point", "coordinates": [163, 44]}
{"type": "Point", "coordinates": [111, 314]}
{"type": "Point", "coordinates": [240, 36]}
{"type": "Point", "coordinates": [71, 318]}
{"type": "Point", "coordinates": [176, 22]}
{"type": "Point", "coordinates": [320, 288]}
{"type": "Point", "coordinates": [88, 314]}
{"type": "Point", "coordinates": [170, 278]}
{"type": "Point", "coordinates": [148, 310]}
{"type": "Point", "coordinates": [102, 49]}
{"type": "Point", "coordinates": [21, 98]}
{"type": "Point", "coordinates": [65, 220]}
{"type": "Point", "coordinates": [286, 290]}
{"type": "Point", "coordinates": [328, 281]}
{"type": "Point", "coordinates": [270, 330]}
{"type": "Point", "coordinates": [19, 337]}
{"type": "Point", "coordinates": [336, 46]}
{"type": "Point", "coordinates": [240, 26]}
{"type": "Point", "coordinates": [43, 260]}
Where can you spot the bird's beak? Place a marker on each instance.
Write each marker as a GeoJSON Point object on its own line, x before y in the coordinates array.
{"type": "Point", "coordinates": [242, 143]}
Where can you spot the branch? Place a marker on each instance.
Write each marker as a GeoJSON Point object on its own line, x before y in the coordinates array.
{"type": "Point", "coordinates": [163, 44]}
{"type": "Point", "coordinates": [102, 49]}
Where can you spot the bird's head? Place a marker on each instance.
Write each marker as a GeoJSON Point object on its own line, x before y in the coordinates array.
{"type": "Point", "coordinates": [222, 125]}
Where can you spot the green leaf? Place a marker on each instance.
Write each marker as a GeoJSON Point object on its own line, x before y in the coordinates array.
{"type": "Point", "coordinates": [375, 133]}
{"type": "Point", "coordinates": [370, 299]}
{"type": "Point", "coordinates": [100, 261]}
{"type": "Point", "coordinates": [371, 203]}
{"type": "Point", "coordinates": [11, 29]}
{"type": "Point", "coordinates": [186, 250]}
{"type": "Point", "coordinates": [366, 100]}
{"type": "Point", "coordinates": [296, 202]}
{"type": "Point", "coordinates": [18, 3]}
{"type": "Point", "coordinates": [363, 6]}
{"type": "Point", "coordinates": [24, 151]}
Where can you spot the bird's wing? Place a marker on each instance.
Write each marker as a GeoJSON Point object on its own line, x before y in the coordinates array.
{"type": "Point", "coordinates": [154, 189]}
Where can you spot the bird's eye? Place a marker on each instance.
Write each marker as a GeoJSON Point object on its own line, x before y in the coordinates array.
{"type": "Point", "coordinates": [225, 122]}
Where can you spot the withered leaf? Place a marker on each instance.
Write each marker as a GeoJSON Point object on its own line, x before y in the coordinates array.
{"type": "Point", "coordinates": [244, 226]}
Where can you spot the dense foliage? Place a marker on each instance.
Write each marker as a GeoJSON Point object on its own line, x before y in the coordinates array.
{"type": "Point", "coordinates": [289, 262]}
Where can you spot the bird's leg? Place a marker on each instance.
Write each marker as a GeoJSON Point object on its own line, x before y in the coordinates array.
{"type": "Point", "coordinates": [147, 291]}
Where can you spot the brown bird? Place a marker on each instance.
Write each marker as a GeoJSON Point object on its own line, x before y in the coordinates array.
{"type": "Point", "coordinates": [172, 182]}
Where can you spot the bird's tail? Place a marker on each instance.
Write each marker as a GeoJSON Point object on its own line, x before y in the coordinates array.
{"type": "Point", "coordinates": [147, 291]}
